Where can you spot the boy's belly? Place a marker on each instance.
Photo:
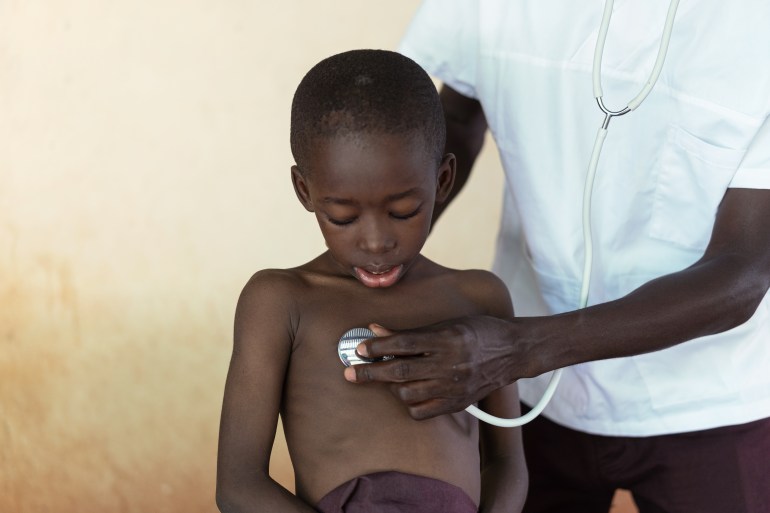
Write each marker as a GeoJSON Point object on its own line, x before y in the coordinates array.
{"type": "Point", "coordinates": [361, 429]}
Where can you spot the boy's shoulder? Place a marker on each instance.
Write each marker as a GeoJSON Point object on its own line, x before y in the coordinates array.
{"type": "Point", "coordinates": [274, 296]}
{"type": "Point", "coordinates": [276, 278]}
{"type": "Point", "coordinates": [480, 281]}
{"type": "Point", "coordinates": [276, 282]}
{"type": "Point", "coordinates": [468, 277]}
{"type": "Point", "coordinates": [481, 287]}
{"type": "Point", "coordinates": [288, 282]}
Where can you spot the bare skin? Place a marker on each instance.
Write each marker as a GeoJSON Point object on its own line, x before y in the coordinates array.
{"type": "Point", "coordinates": [288, 323]}
{"type": "Point", "coordinates": [718, 292]}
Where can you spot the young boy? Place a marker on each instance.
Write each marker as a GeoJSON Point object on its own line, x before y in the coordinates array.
{"type": "Point", "coordinates": [367, 134]}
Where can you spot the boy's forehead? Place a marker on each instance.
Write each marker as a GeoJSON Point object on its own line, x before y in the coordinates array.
{"type": "Point", "coordinates": [386, 154]}
{"type": "Point", "coordinates": [365, 138]}
{"type": "Point", "coordinates": [391, 163]}
{"type": "Point", "coordinates": [409, 147]}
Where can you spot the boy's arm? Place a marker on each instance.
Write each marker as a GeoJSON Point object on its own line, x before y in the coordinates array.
{"type": "Point", "coordinates": [261, 349]}
{"type": "Point", "coordinates": [504, 477]}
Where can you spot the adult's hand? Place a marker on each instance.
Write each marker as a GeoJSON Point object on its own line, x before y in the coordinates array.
{"type": "Point", "coordinates": [444, 367]}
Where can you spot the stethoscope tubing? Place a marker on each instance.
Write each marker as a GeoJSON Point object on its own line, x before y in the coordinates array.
{"type": "Point", "coordinates": [593, 164]}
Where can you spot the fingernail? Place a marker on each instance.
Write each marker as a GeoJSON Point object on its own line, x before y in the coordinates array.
{"type": "Point", "coordinates": [350, 374]}
{"type": "Point", "coordinates": [362, 351]}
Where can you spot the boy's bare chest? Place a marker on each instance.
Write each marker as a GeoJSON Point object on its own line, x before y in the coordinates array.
{"type": "Point", "coordinates": [326, 314]}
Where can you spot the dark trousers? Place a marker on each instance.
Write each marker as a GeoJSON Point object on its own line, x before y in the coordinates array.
{"type": "Point", "coordinates": [723, 470]}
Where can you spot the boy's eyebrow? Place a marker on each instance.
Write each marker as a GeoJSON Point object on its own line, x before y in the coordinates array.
{"type": "Point", "coordinates": [391, 197]}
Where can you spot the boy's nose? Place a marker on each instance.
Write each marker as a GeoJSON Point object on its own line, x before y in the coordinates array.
{"type": "Point", "coordinates": [375, 240]}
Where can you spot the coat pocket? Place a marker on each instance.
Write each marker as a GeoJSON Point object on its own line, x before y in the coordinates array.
{"type": "Point", "coordinates": [693, 176]}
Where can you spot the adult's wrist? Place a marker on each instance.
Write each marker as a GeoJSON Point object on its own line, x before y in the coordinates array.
{"type": "Point", "coordinates": [544, 344]}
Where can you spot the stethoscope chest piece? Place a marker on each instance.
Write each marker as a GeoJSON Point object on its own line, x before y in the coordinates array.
{"type": "Point", "coordinates": [346, 347]}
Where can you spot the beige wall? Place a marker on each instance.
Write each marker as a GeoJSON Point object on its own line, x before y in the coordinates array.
{"type": "Point", "coordinates": [143, 177]}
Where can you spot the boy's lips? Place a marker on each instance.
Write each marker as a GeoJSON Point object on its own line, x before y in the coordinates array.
{"type": "Point", "coordinates": [379, 278]}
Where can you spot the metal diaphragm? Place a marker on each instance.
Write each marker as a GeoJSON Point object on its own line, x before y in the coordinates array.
{"type": "Point", "coordinates": [346, 347]}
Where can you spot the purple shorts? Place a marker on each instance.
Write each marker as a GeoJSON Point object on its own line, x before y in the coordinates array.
{"type": "Point", "coordinates": [396, 492]}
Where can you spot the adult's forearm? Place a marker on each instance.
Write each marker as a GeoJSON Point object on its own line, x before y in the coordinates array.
{"type": "Point", "coordinates": [712, 296]}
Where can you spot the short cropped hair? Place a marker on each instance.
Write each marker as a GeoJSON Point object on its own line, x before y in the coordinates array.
{"type": "Point", "coordinates": [366, 92]}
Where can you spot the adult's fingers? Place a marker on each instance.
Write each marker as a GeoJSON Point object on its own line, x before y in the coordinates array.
{"type": "Point", "coordinates": [423, 401]}
{"type": "Point", "coordinates": [432, 408]}
{"type": "Point", "coordinates": [403, 343]}
{"type": "Point", "coordinates": [415, 392]}
{"type": "Point", "coordinates": [397, 370]}
{"type": "Point", "coordinates": [380, 331]}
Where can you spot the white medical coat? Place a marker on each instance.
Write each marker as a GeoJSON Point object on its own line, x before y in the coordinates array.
{"type": "Point", "coordinates": [663, 172]}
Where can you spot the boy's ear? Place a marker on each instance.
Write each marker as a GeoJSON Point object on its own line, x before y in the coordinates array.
{"type": "Point", "coordinates": [446, 177]}
{"type": "Point", "coordinates": [300, 188]}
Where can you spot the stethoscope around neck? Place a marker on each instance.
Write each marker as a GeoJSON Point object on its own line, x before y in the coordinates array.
{"type": "Point", "coordinates": [588, 189]}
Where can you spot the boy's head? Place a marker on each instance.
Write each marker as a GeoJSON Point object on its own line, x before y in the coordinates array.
{"type": "Point", "coordinates": [365, 92]}
{"type": "Point", "coordinates": [367, 133]}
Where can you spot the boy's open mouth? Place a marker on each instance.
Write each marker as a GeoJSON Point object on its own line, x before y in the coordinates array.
{"type": "Point", "coordinates": [378, 279]}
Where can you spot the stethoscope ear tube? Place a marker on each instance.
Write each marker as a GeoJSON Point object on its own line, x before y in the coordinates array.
{"type": "Point", "coordinates": [665, 38]}
{"type": "Point", "coordinates": [588, 190]}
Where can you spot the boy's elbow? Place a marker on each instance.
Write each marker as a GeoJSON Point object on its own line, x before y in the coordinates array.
{"type": "Point", "coordinates": [224, 505]}
{"type": "Point", "coordinates": [225, 498]}
{"type": "Point", "coordinates": [239, 495]}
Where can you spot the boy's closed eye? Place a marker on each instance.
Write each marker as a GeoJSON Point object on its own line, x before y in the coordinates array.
{"type": "Point", "coordinates": [400, 216]}
{"type": "Point", "coordinates": [344, 215]}
{"type": "Point", "coordinates": [341, 222]}
{"type": "Point", "coordinates": [394, 215]}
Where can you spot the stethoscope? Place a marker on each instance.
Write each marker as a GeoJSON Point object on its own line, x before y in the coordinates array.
{"type": "Point", "coordinates": [349, 341]}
